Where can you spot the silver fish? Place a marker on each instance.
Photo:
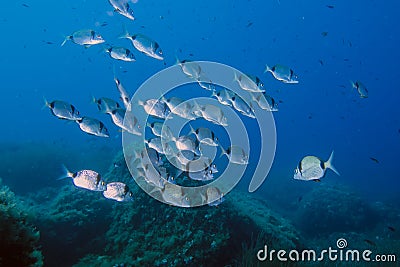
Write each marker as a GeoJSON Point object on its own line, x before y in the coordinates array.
{"type": "Point", "coordinates": [145, 45]}
{"type": "Point", "coordinates": [156, 108]}
{"type": "Point", "coordinates": [224, 96]}
{"type": "Point", "coordinates": [235, 154]}
{"type": "Point", "coordinates": [186, 143]}
{"type": "Point", "coordinates": [159, 129]}
{"type": "Point", "coordinates": [152, 176]}
{"type": "Point", "coordinates": [63, 110]}
{"type": "Point", "coordinates": [153, 157]}
{"type": "Point", "coordinates": [362, 90]}
{"type": "Point", "coordinates": [122, 7]}
{"type": "Point", "coordinates": [240, 105]}
{"type": "Point", "coordinates": [190, 69]}
{"type": "Point", "coordinates": [213, 196]}
{"type": "Point", "coordinates": [131, 124]}
{"type": "Point", "coordinates": [121, 53]}
{"type": "Point", "coordinates": [86, 179]}
{"type": "Point", "coordinates": [264, 101]}
{"type": "Point", "coordinates": [205, 175]}
{"type": "Point", "coordinates": [123, 94]}
{"type": "Point", "coordinates": [86, 38]}
{"type": "Point", "coordinates": [249, 83]}
{"type": "Point", "coordinates": [106, 105]}
{"type": "Point", "coordinates": [313, 168]}
{"type": "Point", "coordinates": [179, 107]}
{"type": "Point", "coordinates": [174, 195]}
{"type": "Point", "coordinates": [211, 113]}
{"type": "Point", "coordinates": [93, 126]}
{"type": "Point", "coordinates": [282, 73]}
{"type": "Point", "coordinates": [157, 144]}
{"type": "Point", "coordinates": [204, 135]}
{"type": "Point", "coordinates": [118, 191]}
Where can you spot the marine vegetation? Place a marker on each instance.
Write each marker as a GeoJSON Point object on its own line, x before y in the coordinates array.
{"type": "Point", "coordinates": [19, 239]}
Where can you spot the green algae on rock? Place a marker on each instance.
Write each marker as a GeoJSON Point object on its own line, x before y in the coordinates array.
{"type": "Point", "coordinates": [19, 238]}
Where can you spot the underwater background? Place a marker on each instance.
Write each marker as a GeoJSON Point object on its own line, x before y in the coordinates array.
{"type": "Point", "coordinates": [45, 221]}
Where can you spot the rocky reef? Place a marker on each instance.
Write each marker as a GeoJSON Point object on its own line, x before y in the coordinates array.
{"type": "Point", "coordinates": [327, 204]}
{"type": "Point", "coordinates": [146, 232]}
{"type": "Point", "coordinates": [19, 239]}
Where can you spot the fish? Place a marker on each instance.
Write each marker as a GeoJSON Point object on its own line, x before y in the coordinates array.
{"type": "Point", "coordinates": [122, 7]}
{"type": "Point", "coordinates": [86, 179]}
{"type": "Point", "coordinates": [131, 124]}
{"type": "Point", "coordinates": [210, 113]}
{"type": "Point", "coordinates": [240, 105]}
{"type": "Point", "coordinates": [161, 130]}
{"type": "Point", "coordinates": [145, 45]}
{"type": "Point", "coordinates": [184, 157]}
{"type": "Point", "coordinates": [392, 229]}
{"type": "Point", "coordinates": [205, 175]}
{"type": "Point", "coordinates": [106, 105]}
{"type": "Point", "coordinates": [330, 6]}
{"type": "Point", "coordinates": [235, 154]}
{"type": "Point", "coordinates": [179, 107]}
{"type": "Point", "coordinates": [121, 53]}
{"type": "Point", "coordinates": [264, 101]}
{"type": "Point", "coordinates": [224, 96]}
{"type": "Point", "coordinates": [93, 126]}
{"type": "Point", "coordinates": [249, 83]}
{"type": "Point", "coordinates": [190, 69]}
{"type": "Point", "coordinates": [156, 108]}
{"type": "Point", "coordinates": [186, 143]}
{"type": "Point", "coordinates": [200, 164]}
{"type": "Point", "coordinates": [362, 90]}
{"type": "Point", "coordinates": [153, 157]}
{"type": "Point", "coordinates": [282, 73]}
{"type": "Point", "coordinates": [374, 160]}
{"type": "Point", "coordinates": [152, 176]}
{"type": "Point", "coordinates": [204, 136]}
{"type": "Point", "coordinates": [63, 110]}
{"type": "Point", "coordinates": [324, 34]}
{"type": "Point", "coordinates": [174, 195]}
{"type": "Point", "coordinates": [213, 196]}
{"type": "Point", "coordinates": [157, 144]}
{"type": "Point", "coordinates": [118, 191]}
{"type": "Point", "coordinates": [84, 37]}
{"type": "Point", "coordinates": [124, 96]}
{"type": "Point", "coordinates": [312, 168]}
{"type": "Point", "coordinates": [117, 116]}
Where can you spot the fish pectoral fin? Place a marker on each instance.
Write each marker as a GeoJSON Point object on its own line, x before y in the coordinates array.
{"type": "Point", "coordinates": [317, 180]}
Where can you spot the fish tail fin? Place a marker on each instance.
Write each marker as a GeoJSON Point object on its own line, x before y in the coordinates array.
{"type": "Point", "coordinates": [223, 151]}
{"type": "Point", "coordinates": [192, 131]}
{"type": "Point", "coordinates": [267, 68]}
{"type": "Point", "coordinates": [66, 174]}
{"type": "Point", "coordinates": [235, 77]}
{"type": "Point", "coordinates": [93, 100]}
{"type": "Point", "coordinates": [67, 38]}
{"type": "Point", "coordinates": [46, 103]}
{"type": "Point", "coordinates": [125, 33]}
{"type": "Point", "coordinates": [177, 61]}
{"type": "Point", "coordinates": [329, 164]}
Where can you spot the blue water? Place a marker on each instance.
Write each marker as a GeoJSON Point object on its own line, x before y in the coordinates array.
{"type": "Point", "coordinates": [320, 114]}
